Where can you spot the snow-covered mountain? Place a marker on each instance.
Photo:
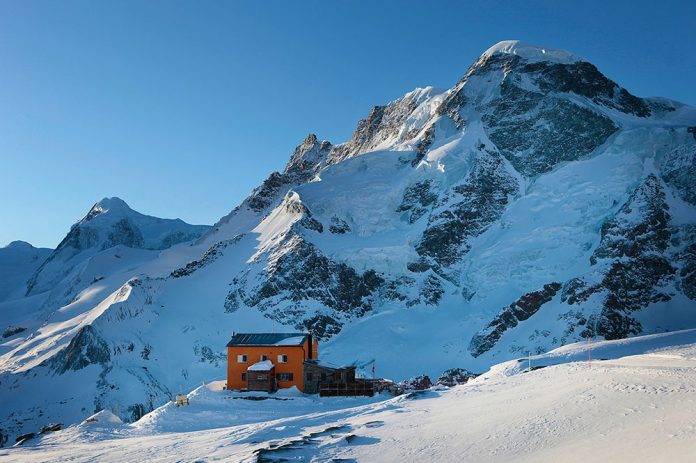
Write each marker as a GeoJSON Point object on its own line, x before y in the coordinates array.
{"type": "Point", "coordinates": [18, 262]}
{"type": "Point", "coordinates": [533, 204]}
{"type": "Point", "coordinates": [110, 223]}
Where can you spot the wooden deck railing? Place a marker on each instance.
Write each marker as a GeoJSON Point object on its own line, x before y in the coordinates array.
{"type": "Point", "coordinates": [346, 389]}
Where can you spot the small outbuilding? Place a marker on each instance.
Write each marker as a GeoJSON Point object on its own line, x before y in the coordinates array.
{"type": "Point", "coordinates": [261, 376]}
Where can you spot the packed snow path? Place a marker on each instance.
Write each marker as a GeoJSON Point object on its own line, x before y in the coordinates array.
{"type": "Point", "coordinates": [631, 408]}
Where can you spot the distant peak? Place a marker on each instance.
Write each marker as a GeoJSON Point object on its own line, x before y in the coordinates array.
{"type": "Point", "coordinates": [19, 245]}
{"type": "Point", "coordinates": [531, 52]}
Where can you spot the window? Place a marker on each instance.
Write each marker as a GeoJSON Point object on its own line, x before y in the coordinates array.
{"type": "Point", "coordinates": [243, 376]}
{"type": "Point", "coordinates": [283, 358]}
{"type": "Point", "coordinates": [241, 359]}
{"type": "Point", "coordinates": [262, 377]}
{"type": "Point", "coordinates": [284, 376]}
{"type": "Point", "coordinates": [264, 357]}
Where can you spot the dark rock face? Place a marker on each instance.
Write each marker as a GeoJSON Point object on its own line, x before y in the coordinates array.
{"type": "Point", "coordinates": [382, 123]}
{"type": "Point", "coordinates": [417, 199]}
{"type": "Point", "coordinates": [454, 377]}
{"type": "Point", "coordinates": [453, 104]}
{"type": "Point", "coordinates": [536, 121]}
{"type": "Point", "coordinates": [303, 165]}
{"type": "Point", "coordinates": [424, 145]}
{"type": "Point", "coordinates": [678, 170]}
{"type": "Point", "coordinates": [535, 132]}
{"type": "Point", "coordinates": [262, 197]}
{"type": "Point", "coordinates": [339, 226]}
{"type": "Point", "coordinates": [307, 158]}
{"type": "Point", "coordinates": [86, 348]}
{"type": "Point", "coordinates": [636, 239]}
{"type": "Point", "coordinates": [466, 212]}
{"type": "Point", "coordinates": [417, 383]}
{"type": "Point", "coordinates": [210, 256]}
{"type": "Point", "coordinates": [431, 290]}
{"type": "Point", "coordinates": [12, 330]}
{"type": "Point", "coordinates": [687, 272]}
{"type": "Point", "coordinates": [300, 275]}
{"type": "Point", "coordinates": [583, 78]}
{"type": "Point", "coordinates": [125, 233]}
{"type": "Point", "coordinates": [518, 311]}
{"type": "Point", "coordinates": [623, 236]}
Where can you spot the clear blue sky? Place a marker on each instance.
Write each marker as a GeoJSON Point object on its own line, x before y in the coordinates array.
{"type": "Point", "coordinates": [181, 108]}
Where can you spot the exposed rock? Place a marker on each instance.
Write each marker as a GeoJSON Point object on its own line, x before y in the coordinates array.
{"type": "Point", "coordinates": [583, 78]}
{"type": "Point", "coordinates": [535, 131]}
{"type": "Point", "coordinates": [518, 311]}
{"type": "Point", "coordinates": [297, 273]}
{"type": "Point", "coordinates": [424, 145]}
{"type": "Point", "coordinates": [684, 257]}
{"type": "Point", "coordinates": [454, 377]}
{"type": "Point", "coordinates": [636, 239]}
{"type": "Point", "coordinates": [417, 383]}
{"type": "Point", "coordinates": [12, 330]}
{"type": "Point", "coordinates": [262, 197]}
{"type": "Point", "coordinates": [678, 169]}
{"type": "Point", "coordinates": [338, 226]}
{"type": "Point", "coordinates": [431, 290]}
{"type": "Point", "coordinates": [210, 256]}
{"type": "Point", "coordinates": [307, 158]}
{"type": "Point", "coordinates": [466, 212]}
{"type": "Point", "coordinates": [86, 348]}
{"type": "Point", "coordinates": [125, 233]}
{"type": "Point", "coordinates": [624, 236]}
{"type": "Point", "coordinates": [416, 200]}
{"type": "Point", "coordinates": [382, 123]}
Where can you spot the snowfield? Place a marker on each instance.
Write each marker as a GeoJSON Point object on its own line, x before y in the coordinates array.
{"type": "Point", "coordinates": [635, 402]}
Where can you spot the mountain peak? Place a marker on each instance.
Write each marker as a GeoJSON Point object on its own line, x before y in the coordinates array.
{"type": "Point", "coordinates": [113, 204]}
{"type": "Point", "coordinates": [531, 52]}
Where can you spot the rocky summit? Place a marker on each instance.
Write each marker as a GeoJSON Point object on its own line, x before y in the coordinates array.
{"type": "Point", "coordinates": [533, 204]}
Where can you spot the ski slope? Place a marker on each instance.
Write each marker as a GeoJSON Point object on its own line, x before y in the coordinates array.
{"type": "Point", "coordinates": [638, 403]}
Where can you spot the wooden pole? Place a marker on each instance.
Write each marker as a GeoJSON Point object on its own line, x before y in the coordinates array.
{"type": "Point", "coordinates": [589, 353]}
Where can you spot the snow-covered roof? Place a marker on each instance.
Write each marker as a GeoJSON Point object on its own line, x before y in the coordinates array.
{"type": "Point", "coordinates": [532, 52]}
{"type": "Point", "coordinates": [267, 339]}
{"type": "Point", "coordinates": [294, 341]}
{"type": "Point", "coordinates": [265, 365]}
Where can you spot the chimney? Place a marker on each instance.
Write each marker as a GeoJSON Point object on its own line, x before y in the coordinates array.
{"type": "Point", "coordinates": [311, 347]}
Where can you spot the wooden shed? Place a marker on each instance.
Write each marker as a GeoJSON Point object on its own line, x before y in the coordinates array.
{"type": "Point", "coordinates": [261, 376]}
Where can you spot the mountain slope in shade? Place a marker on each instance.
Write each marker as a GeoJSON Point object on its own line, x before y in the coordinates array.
{"type": "Point", "coordinates": [18, 262]}
{"type": "Point", "coordinates": [534, 203]}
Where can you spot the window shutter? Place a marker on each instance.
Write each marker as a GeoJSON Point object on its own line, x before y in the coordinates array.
{"type": "Point", "coordinates": [241, 359]}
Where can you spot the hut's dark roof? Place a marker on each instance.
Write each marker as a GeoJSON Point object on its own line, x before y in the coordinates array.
{"type": "Point", "coordinates": [267, 339]}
